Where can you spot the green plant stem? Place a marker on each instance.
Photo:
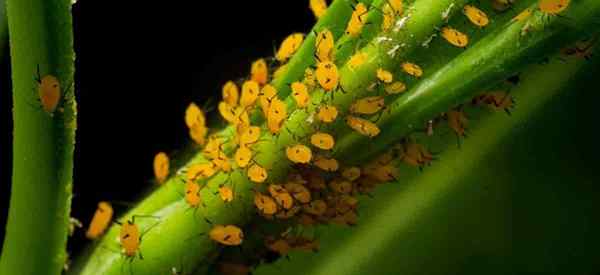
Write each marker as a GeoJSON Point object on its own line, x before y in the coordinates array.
{"type": "Point", "coordinates": [36, 235]}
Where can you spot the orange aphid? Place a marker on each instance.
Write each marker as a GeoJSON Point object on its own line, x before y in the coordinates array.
{"type": "Point", "coordinates": [351, 173]}
{"type": "Point", "coordinates": [385, 173]}
{"type": "Point", "coordinates": [553, 6]}
{"type": "Point", "coordinates": [222, 162]}
{"type": "Point", "coordinates": [198, 133]}
{"type": "Point", "coordinates": [322, 140]}
{"type": "Point", "coordinates": [231, 93]}
{"type": "Point", "coordinates": [259, 71]}
{"type": "Point", "coordinates": [229, 235]}
{"type": "Point", "coordinates": [281, 196]}
{"type": "Point", "coordinates": [192, 194]}
{"type": "Point", "coordinates": [226, 193]}
{"type": "Point", "coordinates": [266, 95]}
{"type": "Point", "coordinates": [49, 92]}
{"type": "Point", "coordinates": [412, 69]}
{"type": "Point", "coordinates": [415, 154]}
{"type": "Point", "coordinates": [324, 46]}
{"type": "Point", "coordinates": [233, 115]}
{"type": "Point", "coordinates": [457, 121]}
{"type": "Point", "coordinates": [318, 7]}
{"type": "Point", "coordinates": [362, 126]}
{"type": "Point", "coordinates": [289, 46]}
{"type": "Point", "coordinates": [250, 91]}
{"type": "Point", "coordinates": [300, 94]}
{"type": "Point", "coordinates": [130, 238]}
{"type": "Point", "coordinates": [213, 147]}
{"type": "Point", "coordinates": [194, 116]}
{"type": "Point", "coordinates": [327, 113]}
{"type": "Point", "coordinates": [200, 171]}
{"type": "Point", "coordinates": [455, 37]}
{"type": "Point", "coordinates": [161, 167]}
{"type": "Point", "coordinates": [327, 75]}
{"type": "Point", "coordinates": [316, 207]}
{"type": "Point", "coordinates": [476, 16]}
{"type": "Point", "coordinates": [357, 20]}
{"type": "Point", "coordinates": [368, 105]}
{"type": "Point", "coordinates": [277, 115]}
{"type": "Point", "coordinates": [257, 173]}
{"type": "Point", "coordinates": [242, 156]}
{"type": "Point", "coordinates": [395, 88]}
{"type": "Point", "coordinates": [265, 204]}
{"type": "Point", "coordinates": [249, 135]}
{"type": "Point", "coordinates": [100, 221]}
{"type": "Point", "coordinates": [298, 191]}
{"type": "Point", "coordinates": [384, 76]}
{"type": "Point", "coordinates": [299, 153]}
{"type": "Point", "coordinates": [326, 164]}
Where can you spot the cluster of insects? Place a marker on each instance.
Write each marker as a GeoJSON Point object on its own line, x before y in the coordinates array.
{"type": "Point", "coordinates": [319, 189]}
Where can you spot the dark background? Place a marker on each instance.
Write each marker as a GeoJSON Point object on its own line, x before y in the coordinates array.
{"type": "Point", "coordinates": [137, 68]}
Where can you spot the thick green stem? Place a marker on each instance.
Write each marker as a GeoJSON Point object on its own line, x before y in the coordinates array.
{"type": "Point", "coordinates": [40, 36]}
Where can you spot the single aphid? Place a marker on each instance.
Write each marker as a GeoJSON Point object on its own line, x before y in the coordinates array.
{"type": "Point", "coordinates": [265, 97]}
{"type": "Point", "coordinates": [327, 75]}
{"type": "Point", "coordinates": [192, 194]}
{"type": "Point", "coordinates": [341, 186]}
{"type": "Point", "coordinates": [326, 164]}
{"type": "Point", "coordinates": [194, 116]}
{"type": "Point", "coordinates": [316, 207]}
{"type": "Point", "coordinates": [222, 162]}
{"type": "Point", "coordinates": [259, 71]}
{"type": "Point", "coordinates": [357, 60]}
{"type": "Point", "coordinates": [299, 153]}
{"type": "Point", "coordinates": [318, 7]}
{"type": "Point", "coordinates": [282, 197]}
{"type": "Point", "coordinates": [455, 37]}
{"type": "Point", "coordinates": [351, 173]}
{"type": "Point", "coordinates": [357, 20]}
{"type": "Point", "coordinates": [300, 94]}
{"type": "Point", "coordinates": [277, 115]}
{"type": "Point", "coordinates": [265, 204]}
{"type": "Point", "coordinates": [100, 221]}
{"type": "Point", "coordinates": [289, 46]}
{"type": "Point", "coordinates": [198, 133]}
{"type": "Point", "coordinates": [553, 7]}
{"type": "Point", "coordinates": [388, 18]}
{"type": "Point", "coordinates": [384, 76]}
{"type": "Point", "coordinates": [213, 147]}
{"type": "Point", "coordinates": [49, 92]}
{"type": "Point", "coordinates": [368, 105]}
{"type": "Point", "coordinates": [257, 173]}
{"type": "Point", "coordinates": [362, 126]}
{"type": "Point", "coordinates": [200, 171]}
{"type": "Point", "coordinates": [229, 235]}
{"type": "Point", "coordinates": [457, 121]}
{"type": "Point", "coordinates": [231, 93]}
{"type": "Point", "coordinates": [526, 13]}
{"type": "Point", "coordinates": [476, 16]}
{"type": "Point", "coordinates": [250, 91]}
{"type": "Point", "coordinates": [412, 69]}
{"type": "Point", "coordinates": [324, 46]}
{"type": "Point", "coordinates": [226, 193]}
{"type": "Point", "coordinates": [161, 167]}
{"type": "Point", "coordinates": [322, 140]}
{"type": "Point", "coordinates": [395, 88]}
{"type": "Point", "coordinates": [299, 192]}
{"type": "Point", "coordinates": [242, 156]}
{"type": "Point", "coordinates": [396, 5]}
{"type": "Point", "coordinates": [249, 135]}
{"type": "Point", "coordinates": [327, 113]}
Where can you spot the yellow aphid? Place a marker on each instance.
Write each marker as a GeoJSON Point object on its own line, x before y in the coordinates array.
{"type": "Point", "coordinates": [412, 69]}
{"type": "Point", "coordinates": [281, 196]}
{"type": "Point", "coordinates": [194, 116]}
{"type": "Point", "coordinates": [322, 140]}
{"type": "Point", "coordinates": [222, 162]}
{"type": "Point", "coordinates": [553, 6]}
{"type": "Point", "coordinates": [324, 46]}
{"type": "Point", "coordinates": [198, 133]}
{"type": "Point", "coordinates": [388, 18]}
{"type": "Point", "coordinates": [318, 7]}
{"type": "Point", "coordinates": [362, 126]}
{"type": "Point", "coordinates": [161, 167]}
{"type": "Point", "coordinates": [327, 113]}
{"type": "Point", "coordinates": [129, 237]}
{"type": "Point", "coordinates": [457, 121]}
{"type": "Point", "coordinates": [368, 105]}
{"type": "Point", "coordinates": [395, 88]}
{"type": "Point", "coordinates": [299, 153]}
{"type": "Point", "coordinates": [242, 156]}
{"type": "Point", "coordinates": [326, 164]}
{"type": "Point", "coordinates": [257, 173]}
{"type": "Point", "coordinates": [526, 13]}
{"type": "Point", "coordinates": [357, 20]}
{"type": "Point", "coordinates": [300, 94]}
{"type": "Point", "coordinates": [230, 235]}
{"type": "Point", "coordinates": [476, 16]}
{"type": "Point", "coordinates": [250, 90]}
{"type": "Point", "coordinates": [49, 92]}
{"type": "Point", "coordinates": [299, 192]}
{"type": "Point", "coordinates": [384, 76]}
{"type": "Point", "coordinates": [289, 46]}
{"type": "Point", "coordinates": [213, 147]}
{"type": "Point", "coordinates": [357, 60]}
{"type": "Point", "coordinates": [192, 194]}
{"type": "Point", "coordinates": [231, 93]}
{"type": "Point", "coordinates": [266, 95]}
{"type": "Point", "coordinates": [351, 173]}
{"type": "Point", "coordinates": [316, 207]}
{"type": "Point", "coordinates": [259, 71]}
{"type": "Point", "coordinates": [265, 204]}
{"type": "Point", "coordinates": [455, 37]}
{"type": "Point", "coordinates": [100, 221]}
{"type": "Point", "coordinates": [327, 75]}
{"type": "Point", "coordinates": [309, 78]}
{"type": "Point", "coordinates": [341, 186]}
{"type": "Point", "coordinates": [226, 193]}
{"type": "Point", "coordinates": [233, 115]}
{"type": "Point", "coordinates": [249, 135]}
{"type": "Point", "coordinates": [200, 171]}
{"type": "Point", "coordinates": [277, 115]}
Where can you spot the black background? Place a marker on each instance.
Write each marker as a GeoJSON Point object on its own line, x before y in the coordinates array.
{"type": "Point", "coordinates": [138, 66]}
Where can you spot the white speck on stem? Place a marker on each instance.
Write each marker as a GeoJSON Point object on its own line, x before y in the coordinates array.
{"type": "Point", "coordinates": [429, 39]}
{"type": "Point", "coordinates": [380, 39]}
{"type": "Point", "coordinates": [392, 52]}
{"type": "Point", "coordinates": [446, 13]}
{"type": "Point", "coordinates": [401, 22]}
